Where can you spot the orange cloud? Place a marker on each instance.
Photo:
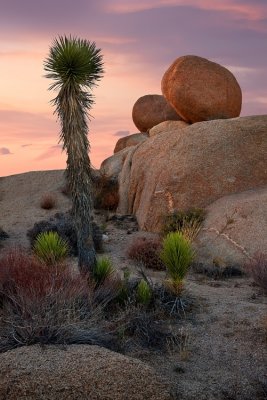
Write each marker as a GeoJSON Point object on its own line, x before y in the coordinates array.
{"type": "Point", "coordinates": [51, 152]}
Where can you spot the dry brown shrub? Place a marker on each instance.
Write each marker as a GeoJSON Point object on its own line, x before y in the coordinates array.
{"type": "Point", "coordinates": [106, 193]}
{"type": "Point", "coordinates": [146, 251]}
{"type": "Point", "coordinates": [257, 269]}
{"type": "Point", "coordinates": [48, 201]}
{"type": "Point", "coordinates": [40, 304]}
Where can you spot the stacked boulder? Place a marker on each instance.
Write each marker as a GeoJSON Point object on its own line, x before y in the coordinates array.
{"type": "Point", "coordinates": [198, 153]}
{"type": "Point", "coordinates": [201, 90]}
{"type": "Point", "coordinates": [112, 166]}
{"type": "Point", "coordinates": [151, 110]}
{"type": "Point", "coordinates": [130, 140]}
{"type": "Point", "coordinates": [193, 167]}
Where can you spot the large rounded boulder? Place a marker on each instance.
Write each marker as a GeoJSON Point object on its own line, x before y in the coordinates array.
{"type": "Point", "coordinates": [112, 166]}
{"type": "Point", "coordinates": [78, 372]}
{"type": "Point", "coordinates": [201, 90]}
{"type": "Point", "coordinates": [130, 140]}
{"type": "Point", "coordinates": [150, 110]}
{"type": "Point", "coordinates": [193, 167]}
{"type": "Point", "coordinates": [235, 229]}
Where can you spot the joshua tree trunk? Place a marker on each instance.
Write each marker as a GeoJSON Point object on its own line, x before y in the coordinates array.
{"type": "Point", "coordinates": [78, 174]}
{"type": "Point", "coordinates": [79, 181]}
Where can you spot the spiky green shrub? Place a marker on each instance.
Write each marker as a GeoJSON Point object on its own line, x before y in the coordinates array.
{"type": "Point", "coordinates": [188, 222]}
{"type": "Point", "coordinates": [103, 270]}
{"type": "Point", "coordinates": [50, 248]}
{"type": "Point", "coordinates": [64, 225]}
{"type": "Point", "coordinates": [124, 292]}
{"type": "Point", "coordinates": [177, 255]}
{"type": "Point", "coordinates": [143, 293]}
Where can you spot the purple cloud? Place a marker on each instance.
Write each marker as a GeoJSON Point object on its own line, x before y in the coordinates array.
{"type": "Point", "coordinates": [4, 151]}
{"type": "Point", "coordinates": [237, 9]}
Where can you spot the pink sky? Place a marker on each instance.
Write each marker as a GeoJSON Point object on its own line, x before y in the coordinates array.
{"type": "Point", "coordinates": [139, 40]}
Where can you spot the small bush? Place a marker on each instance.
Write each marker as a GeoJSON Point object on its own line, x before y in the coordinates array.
{"type": "Point", "coordinates": [103, 270]}
{"type": "Point", "coordinates": [106, 193]}
{"type": "Point", "coordinates": [50, 248]}
{"type": "Point", "coordinates": [143, 293]}
{"type": "Point", "coordinates": [146, 252]}
{"type": "Point", "coordinates": [123, 295]}
{"type": "Point", "coordinates": [44, 305]}
{"type": "Point", "coordinates": [188, 222]}
{"type": "Point", "coordinates": [18, 269]}
{"type": "Point", "coordinates": [139, 328]}
{"type": "Point", "coordinates": [217, 272]}
{"type": "Point", "coordinates": [257, 269]}
{"type": "Point", "coordinates": [177, 255]}
{"type": "Point", "coordinates": [63, 224]}
{"type": "Point", "coordinates": [48, 201]}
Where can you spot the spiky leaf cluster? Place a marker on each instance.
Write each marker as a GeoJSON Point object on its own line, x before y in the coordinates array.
{"type": "Point", "coordinates": [50, 248]}
{"type": "Point", "coordinates": [177, 255]}
{"type": "Point", "coordinates": [73, 61]}
{"type": "Point", "coordinates": [103, 270]}
{"type": "Point", "coordinates": [143, 293]}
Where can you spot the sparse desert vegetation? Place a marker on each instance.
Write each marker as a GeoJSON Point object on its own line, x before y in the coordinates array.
{"type": "Point", "coordinates": [44, 301]}
{"type": "Point", "coordinates": [127, 306]}
{"type": "Point", "coordinates": [174, 307]}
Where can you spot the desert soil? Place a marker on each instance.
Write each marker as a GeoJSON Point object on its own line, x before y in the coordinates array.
{"type": "Point", "coordinates": [223, 351]}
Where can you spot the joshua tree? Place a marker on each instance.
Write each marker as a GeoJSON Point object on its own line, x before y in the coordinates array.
{"type": "Point", "coordinates": [76, 65]}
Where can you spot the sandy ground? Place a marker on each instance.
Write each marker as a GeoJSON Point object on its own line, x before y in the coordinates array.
{"type": "Point", "coordinates": [223, 355]}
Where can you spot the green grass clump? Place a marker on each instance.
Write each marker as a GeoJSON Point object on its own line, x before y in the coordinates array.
{"type": "Point", "coordinates": [50, 248]}
{"type": "Point", "coordinates": [103, 269]}
{"type": "Point", "coordinates": [177, 255]}
{"type": "Point", "coordinates": [188, 222]}
{"type": "Point", "coordinates": [143, 293]}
